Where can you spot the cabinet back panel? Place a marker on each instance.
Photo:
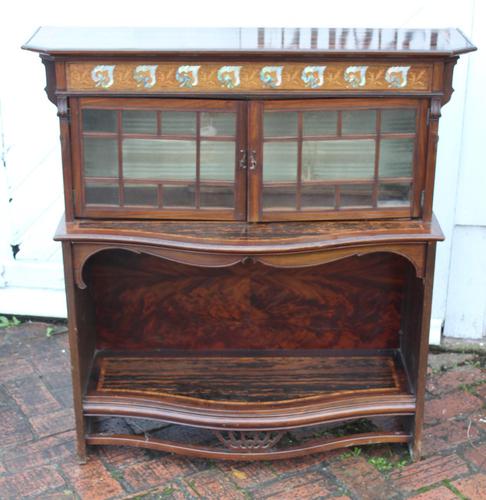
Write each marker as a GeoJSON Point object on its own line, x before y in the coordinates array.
{"type": "Point", "coordinates": [143, 302]}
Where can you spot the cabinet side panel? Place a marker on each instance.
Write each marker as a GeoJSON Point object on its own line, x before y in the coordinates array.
{"type": "Point", "coordinates": [415, 338]}
{"type": "Point", "coordinates": [81, 342]}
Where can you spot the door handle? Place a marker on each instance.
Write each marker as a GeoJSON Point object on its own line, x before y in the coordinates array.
{"type": "Point", "coordinates": [253, 160]}
{"type": "Point", "coordinates": [243, 158]}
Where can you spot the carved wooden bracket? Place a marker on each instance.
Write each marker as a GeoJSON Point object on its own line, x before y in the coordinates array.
{"type": "Point", "coordinates": [448, 71]}
{"type": "Point", "coordinates": [50, 88]}
{"type": "Point", "coordinates": [414, 253]}
{"type": "Point", "coordinates": [62, 108]}
{"type": "Point", "coordinates": [435, 107]}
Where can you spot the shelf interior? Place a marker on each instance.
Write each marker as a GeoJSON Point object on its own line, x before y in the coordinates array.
{"type": "Point", "coordinates": [259, 378]}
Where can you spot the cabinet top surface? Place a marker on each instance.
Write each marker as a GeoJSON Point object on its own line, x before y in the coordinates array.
{"type": "Point", "coordinates": [324, 41]}
{"type": "Point", "coordinates": [250, 238]}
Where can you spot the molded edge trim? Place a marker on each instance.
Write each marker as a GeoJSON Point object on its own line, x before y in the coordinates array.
{"type": "Point", "coordinates": [207, 452]}
{"type": "Point", "coordinates": [284, 419]}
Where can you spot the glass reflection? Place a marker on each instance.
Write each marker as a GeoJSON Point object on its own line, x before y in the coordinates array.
{"type": "Point", "coordinates": [338, 159]}
{"type": "Point", "coordinates": [159, 159]}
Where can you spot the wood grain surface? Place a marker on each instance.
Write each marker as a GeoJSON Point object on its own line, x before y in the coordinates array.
{"type": "Point", "coordinates": [246, 379]}
{"type": "Point", "coordinates": [143, 302]}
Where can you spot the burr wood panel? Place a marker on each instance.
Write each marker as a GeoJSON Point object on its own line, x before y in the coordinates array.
{"type": "Point", "coordinates": [143, 302]}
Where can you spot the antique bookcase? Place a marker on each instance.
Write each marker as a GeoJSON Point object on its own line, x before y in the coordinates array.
{"type": "Point", "coordinates": [248, 236]}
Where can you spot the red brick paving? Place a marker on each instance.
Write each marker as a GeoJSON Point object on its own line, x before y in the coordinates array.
{"type": "Point", "coordinates": [450, 380]}
{"type": "Point", "coordinates": [477, 456]}
{"type": "Point", "coordinates": [440, 493]}
{"type": "Point", "coordinates": [37, 452]}
{"type": "Point", "coordinates": [53, 423]}
{"type": "Point", "coordinates": [447, 436]}
{"type": "Point", "coordinates": [92, 480]}
{"type": "Point", "coordinates": [454, 404]}
{"type": "Point", "coordinates": [31, 483]}
{"type": "Point", "coordinates": [306, 485]}
{"type": "Point", "coordinates": [248, 474]}
{"type": "Point", "coordinates": [361, 478]}
{"type": "Point", "coordinates": [156, 472]}
{"type": "Point", "coordinates": [428, 472]}
{"type": "Point", "coordinates": [213, 483]}
{"type": "Point", "coordinates": [51, 450]}
{"type": "Point", "coordinates": [472, 487]}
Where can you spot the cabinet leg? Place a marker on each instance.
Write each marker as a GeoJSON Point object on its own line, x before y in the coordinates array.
{"type": "Point", "coordinates": [415, 448]}
{"type": "Point", "coordinates": [81, 450]}
{"type": "Point", "coordinates": [82, 427]}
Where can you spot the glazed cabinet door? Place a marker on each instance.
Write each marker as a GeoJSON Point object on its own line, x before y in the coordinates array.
{"type": "Point", "coordinates": [159, 158]}
{"type": "Point", "coordinates": [336, 159]}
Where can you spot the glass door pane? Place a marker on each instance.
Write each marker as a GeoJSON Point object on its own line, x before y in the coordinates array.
{"type": "Point", "coordinates": [280, 160]}
{"type": "Point", "coordinates": [150, 156]}
{"type": "Point", "coordinates": [332, 156]}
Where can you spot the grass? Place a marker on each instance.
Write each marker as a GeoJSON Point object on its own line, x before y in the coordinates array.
{"type": "Point", "coordinates": [471, 387]}
{"type": "Point", "coordinates": [167, 491]}
{"type": "Point", "coordinates": [454, 490]}
{"type": "Point", "coordinates": [55, 330]}
{"type": "Point", "coordinates": [7, 323]}
{"type": "Point", "coordinates": [355, 452]}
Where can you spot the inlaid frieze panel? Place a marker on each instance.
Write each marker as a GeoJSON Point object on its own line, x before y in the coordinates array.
{"type": "Point", "coordinates": [252, 76]}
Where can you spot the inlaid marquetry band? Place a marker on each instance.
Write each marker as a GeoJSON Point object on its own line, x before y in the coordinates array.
{"type": "Point", "coordinates": [128, 76]}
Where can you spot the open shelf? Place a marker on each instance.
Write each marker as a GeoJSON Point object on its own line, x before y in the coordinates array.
{"type": "Point", "coordinates": [257, 390]}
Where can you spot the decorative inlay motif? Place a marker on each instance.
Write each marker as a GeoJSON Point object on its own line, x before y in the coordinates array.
{"type": "Point", "coordinates": [271, 76]}
{"type": "Point", "coordinates": [396, 76]}
{"type": "Point", "coordinates": [103, 76]}
{"type": "Point", "coordinates": [154, 76]}
{"type": "Point", "coordinates": [187, 76]}
{"type": "Point", "coordinates": [356, 75]}
{"type": "Point", "coordinates": [229, 76]}
{"type": "Point", "coordinates": [313, 76]}
{"type": "Point", "coordinates": [144, 75]}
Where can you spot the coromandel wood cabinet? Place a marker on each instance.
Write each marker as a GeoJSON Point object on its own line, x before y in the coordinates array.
{"type": "Point", "coordinates": [248, 237]}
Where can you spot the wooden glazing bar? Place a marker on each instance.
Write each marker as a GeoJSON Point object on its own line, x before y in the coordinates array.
{"type": "Point", "coordinates": [255, 143]}
{"type": "Point", "coordinates": [342, 182]}
{"type": "Point", "coordinates": [159, 123]}
{"type": "Point", "coordinates": [300, 124]}
{"type": "Point", "coordinates": [198, 160]}
{"type": "Point", "coordinates": [121, 189]}
{"type": "Point", "coordinates": [377, 159]}
{"type": "Point", "coordinates": [418, 183]}
{"type": "Point", "coordinates": [347, 137]}
{"type": "Point", "coordinates": [108, 180]}
{"type": "Point", "coordinates": [218, 138]}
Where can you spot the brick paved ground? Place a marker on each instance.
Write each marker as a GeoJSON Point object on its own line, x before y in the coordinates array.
{"type": "Point", "coordinates": [37, 452]}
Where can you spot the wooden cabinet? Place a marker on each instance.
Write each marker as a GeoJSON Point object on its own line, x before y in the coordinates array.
{"type": "Point", "coordinates": [309, 160]}
{"type": "Point", "coordinates": [249, 240]}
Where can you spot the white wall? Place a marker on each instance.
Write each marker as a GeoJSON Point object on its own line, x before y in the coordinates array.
{"type": "Point", "coordinates": [31, 132]}
{"type": "Point", "coordinates": [465, 311]}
